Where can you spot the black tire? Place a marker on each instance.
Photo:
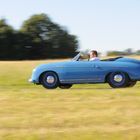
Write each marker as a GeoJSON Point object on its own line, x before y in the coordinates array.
{"type": "Point", "coordinates": [65, 86]}
{"type": "Point", "coordinates": [49, 80]}
{"type": "Point", "coordinates": [118, 80]}
{"type": "Point", "coordinates": [131, 83]}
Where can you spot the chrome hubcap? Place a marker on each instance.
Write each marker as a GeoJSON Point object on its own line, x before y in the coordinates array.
{"type": "Point", "coordinates": [50, 79]}
{"type": "Point", "coordinates": [118, 78]}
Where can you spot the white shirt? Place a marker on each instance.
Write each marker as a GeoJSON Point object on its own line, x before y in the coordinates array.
{"type": "Point", "coordinates": [94, 59]}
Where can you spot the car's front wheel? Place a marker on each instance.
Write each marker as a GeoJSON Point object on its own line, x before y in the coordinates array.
{"type": "Point", "coordinates": [65, 86]}
{"type": "Point", "coordinates": [49, 80]}
{"type": "Point", "coordinates": [118, 79]}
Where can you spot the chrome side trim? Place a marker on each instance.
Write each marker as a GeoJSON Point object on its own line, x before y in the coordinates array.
{"type": "Point", "coordinates": [81, 80]}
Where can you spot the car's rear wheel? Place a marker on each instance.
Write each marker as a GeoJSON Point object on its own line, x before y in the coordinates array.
{"type": "Point", "coordinates": [131, 83]}
{"type": "Point", "coordinates": [49, 80]}
{"type": "Point", "coordinates": [65, 86]}
{"type": "Point", "coordinates": [118, 79]}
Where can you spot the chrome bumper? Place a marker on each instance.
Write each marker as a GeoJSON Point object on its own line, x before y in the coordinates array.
{"type": "Point", "coordinates": [31, 81]}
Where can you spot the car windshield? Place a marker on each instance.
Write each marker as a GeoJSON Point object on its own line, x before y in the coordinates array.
{"type": "Point", "coordinates": [85, 57]}
{"type": "Point", "coordinates": [81, 57]}
{"type": "Point", "coordinates": [76, 57]}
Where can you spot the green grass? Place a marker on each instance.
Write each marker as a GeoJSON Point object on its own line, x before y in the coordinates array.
{"type": "Point", "coordinates": [84, 112]}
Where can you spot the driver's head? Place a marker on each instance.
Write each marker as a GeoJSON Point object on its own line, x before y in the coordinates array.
{"type": "Point", "coordinates": [93, 54]}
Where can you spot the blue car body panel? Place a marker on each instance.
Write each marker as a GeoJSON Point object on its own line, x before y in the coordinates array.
{"type": "Point", "coordinates": [88, 71]}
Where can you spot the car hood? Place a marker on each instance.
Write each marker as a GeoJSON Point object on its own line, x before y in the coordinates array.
{"type": "Point", "coordinates": [52, 65]}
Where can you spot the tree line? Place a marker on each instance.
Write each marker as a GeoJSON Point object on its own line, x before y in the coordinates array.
{"type": "Point", "coordinates": [128, 51]}
{"type": "Point", "coordinates": [38, 38]}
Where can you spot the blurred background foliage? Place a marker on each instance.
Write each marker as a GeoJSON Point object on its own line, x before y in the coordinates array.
{"type": "Point", "coordinates": [38, 38]}
{"type": "Point", "coordinates": [128, 51]}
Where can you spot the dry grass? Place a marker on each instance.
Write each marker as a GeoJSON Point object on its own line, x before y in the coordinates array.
{"type": "Point", "coordinates": [85, 112]}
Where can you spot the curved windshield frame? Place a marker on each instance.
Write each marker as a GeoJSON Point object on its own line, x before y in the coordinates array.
{"type": "Point", "coordinates": [77, 57]}
{"type": "Point", "coordinates": [84, 57]}
{"type": "Point", "coordinates": [81, 57]}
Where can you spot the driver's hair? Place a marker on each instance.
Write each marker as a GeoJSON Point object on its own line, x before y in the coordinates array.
{"type": "Point", "coordinates": [94, 52]}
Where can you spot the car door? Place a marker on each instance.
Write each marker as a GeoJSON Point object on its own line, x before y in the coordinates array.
{"type": "Point", "coordinates": [84, 72]}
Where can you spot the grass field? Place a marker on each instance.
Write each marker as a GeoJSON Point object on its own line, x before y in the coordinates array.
{"type": "Point", "coordinates": [85, 112]}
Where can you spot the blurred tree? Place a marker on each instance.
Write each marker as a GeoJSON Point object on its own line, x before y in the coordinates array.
{"type": "Point", "coordinates": [38, 38]}
{"type": "Point", "coordinates": [6, 40]}
{"type": "Point", "coordinates": [115, 53]}
{"type": "Point", "coordinates": [138, 52]}
{"type": "Point", "coordinates": [47, 39]}
{"type": "Point", "coordinates": [128, 51]}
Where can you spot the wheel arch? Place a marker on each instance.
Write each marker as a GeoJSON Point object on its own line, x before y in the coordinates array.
{"type": "Point", "coordinates": [106, 76]}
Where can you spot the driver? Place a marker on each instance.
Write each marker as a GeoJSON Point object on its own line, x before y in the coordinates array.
{"type": "Point", "coordinates": [93, 55]}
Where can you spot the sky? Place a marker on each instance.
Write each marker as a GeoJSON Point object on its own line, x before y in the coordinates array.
{"type": "Point", "coordinates": [103, 25]}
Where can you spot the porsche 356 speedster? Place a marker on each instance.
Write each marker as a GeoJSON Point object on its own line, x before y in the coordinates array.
{"type": "Point", "coordinates": [119, 72]}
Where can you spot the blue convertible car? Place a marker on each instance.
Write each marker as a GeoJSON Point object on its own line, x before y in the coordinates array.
{"type": "Point", "coordinates": [118, 72]}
